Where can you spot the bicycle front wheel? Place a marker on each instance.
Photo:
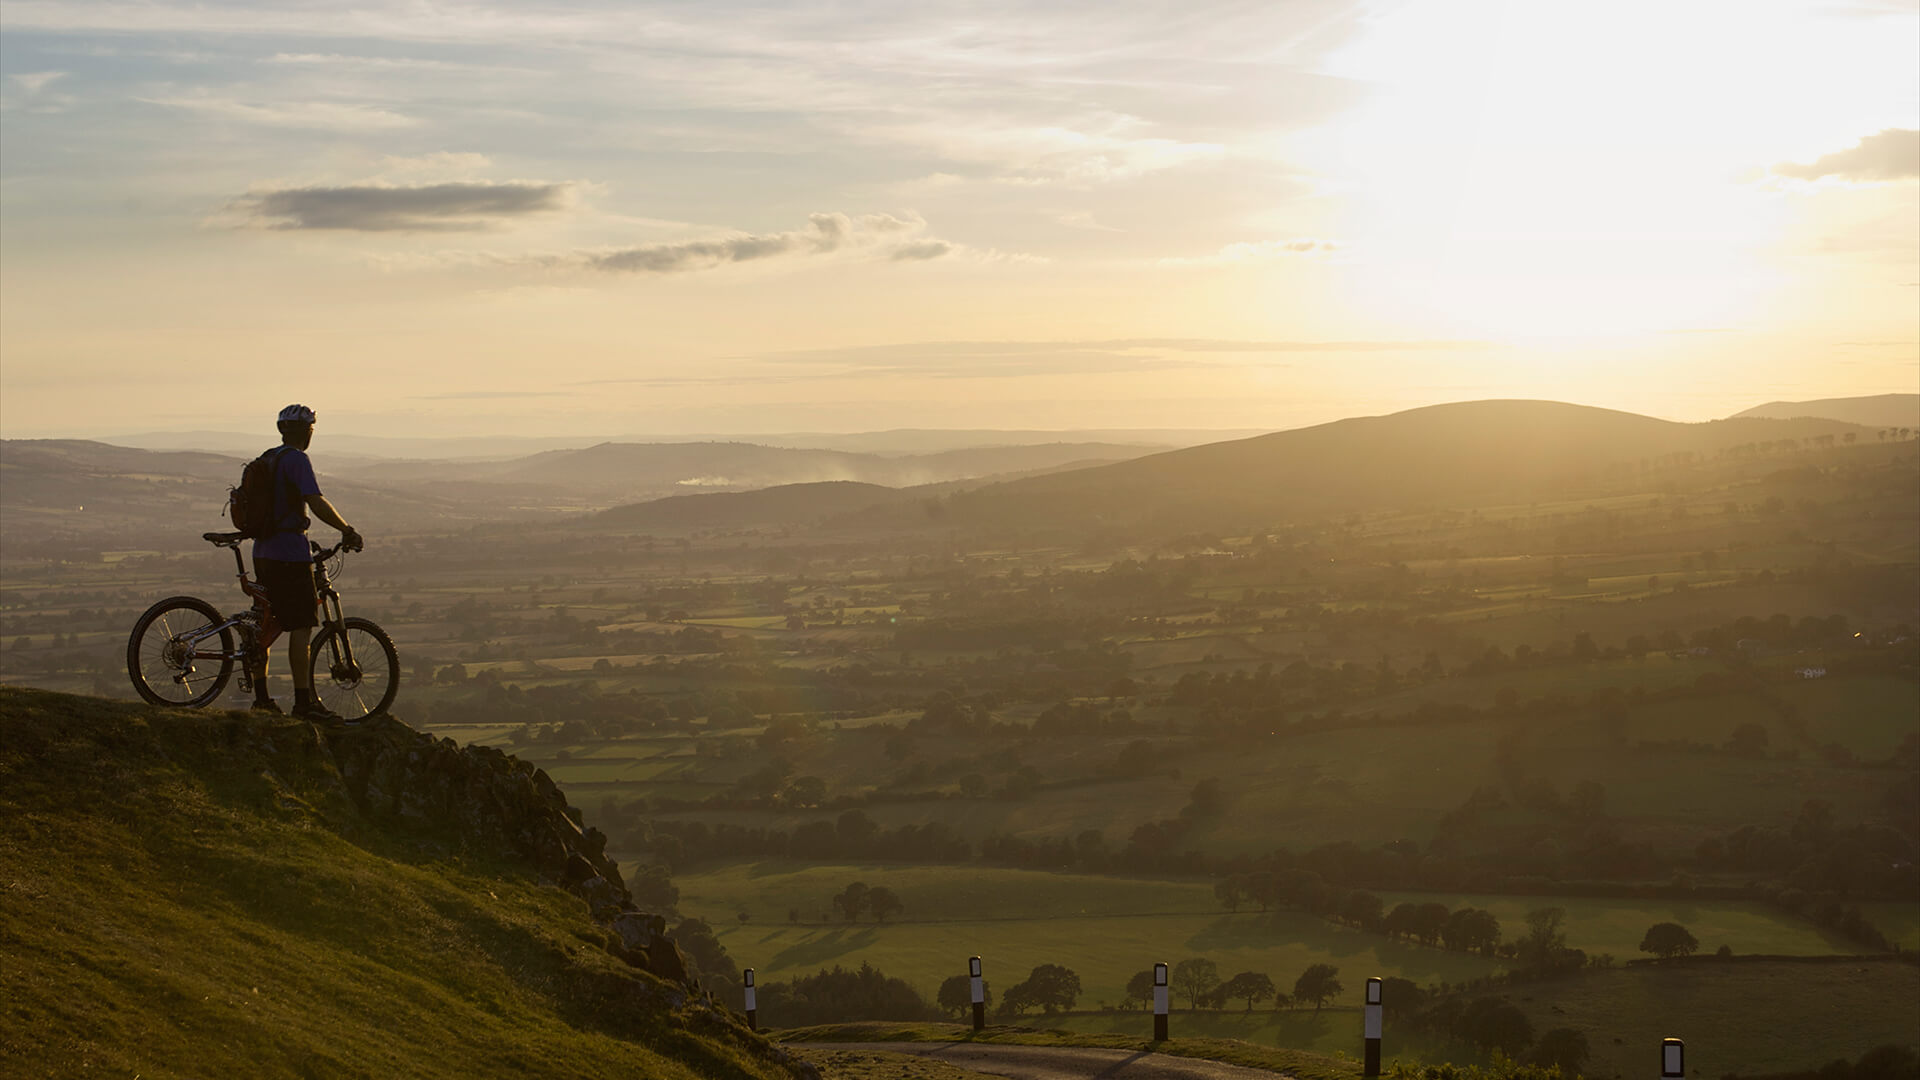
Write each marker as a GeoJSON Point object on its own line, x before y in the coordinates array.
{"type": "Point", "coordinates": [180, 653]}
{"type": "Point", "coordinates": [355, 673]}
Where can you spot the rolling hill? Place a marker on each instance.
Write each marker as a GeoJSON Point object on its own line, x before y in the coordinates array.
{"type": "Point", "coordinates": [617, 473]}
{"type": "Point", "coordinates": [1470, 453]}
{"type": "Point", "coordinates": [1878, 411]}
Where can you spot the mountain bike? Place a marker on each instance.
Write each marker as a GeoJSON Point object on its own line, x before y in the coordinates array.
{"type": "Point", "coordinates": [182, 651]}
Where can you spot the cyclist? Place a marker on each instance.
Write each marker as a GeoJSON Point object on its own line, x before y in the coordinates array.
{"type": "Point", "coordinates": [284, 566]}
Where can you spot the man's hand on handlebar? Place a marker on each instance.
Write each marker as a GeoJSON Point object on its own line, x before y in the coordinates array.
{"type": "Point", "coordinates": [351, 540]}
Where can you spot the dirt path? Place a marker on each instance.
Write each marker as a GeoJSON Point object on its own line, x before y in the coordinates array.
{"type": "Point", "coordinates": [1058, 1062]}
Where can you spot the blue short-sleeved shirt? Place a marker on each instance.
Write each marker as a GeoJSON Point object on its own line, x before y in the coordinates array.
{"type": "Point", "coordinates": [293, 480]}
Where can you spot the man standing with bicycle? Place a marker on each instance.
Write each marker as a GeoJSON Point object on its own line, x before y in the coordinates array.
{"type": "Point", "coordinates": [283, 563]}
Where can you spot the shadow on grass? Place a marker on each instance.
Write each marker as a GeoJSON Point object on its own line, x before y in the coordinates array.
{"type": "Point", "coordinates": [818, 950]}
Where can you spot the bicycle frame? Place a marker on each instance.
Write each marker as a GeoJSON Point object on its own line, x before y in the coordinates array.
{"type": "Point", "coordinates": [259, 629]}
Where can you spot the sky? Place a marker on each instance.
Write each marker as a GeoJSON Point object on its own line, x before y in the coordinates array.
{"type": "Point", "coordinates": [626, 218]}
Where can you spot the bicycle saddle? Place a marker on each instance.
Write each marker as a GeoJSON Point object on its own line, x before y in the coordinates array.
{"type": "Point", "coordinates": [225, 539]}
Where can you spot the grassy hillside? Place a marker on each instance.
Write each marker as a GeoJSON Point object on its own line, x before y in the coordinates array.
{"type": "Point", "coordinates": [1467, 453]}
{"type": "Point", "coordinates": [188, 894]}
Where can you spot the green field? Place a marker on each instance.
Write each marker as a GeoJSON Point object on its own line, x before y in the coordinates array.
{"type": "Point", "coordinates": [1616, 927]}
{"type": "Point", "coordinates": [1106, 929]}
{"type": "Point", "coordinates": [1759, 1016]}
{"type": "Point", "coordinates": [1740, 1017]}
{"type": "Point", "coordinates": [1899, 920]}
{"type": "Point", "coordinates": [1867, 716]}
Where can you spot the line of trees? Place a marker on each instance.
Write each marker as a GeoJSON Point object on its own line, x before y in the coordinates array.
{"type": "Point", "coordinates": [860, 898]}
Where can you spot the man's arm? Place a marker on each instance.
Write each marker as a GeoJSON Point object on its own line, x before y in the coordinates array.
{"type": "Point", "coordinates": [324, 510]}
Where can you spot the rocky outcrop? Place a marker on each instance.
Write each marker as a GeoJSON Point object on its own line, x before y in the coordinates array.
{"type": "Point", "coordinates": [479, 800]}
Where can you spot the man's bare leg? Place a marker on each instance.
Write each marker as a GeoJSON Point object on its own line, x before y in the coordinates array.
{"type": "Point", "coordinates": [299, 655]}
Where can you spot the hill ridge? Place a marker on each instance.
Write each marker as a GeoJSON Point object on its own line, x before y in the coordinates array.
{"type": "Point", "coordinates": [154, 862]}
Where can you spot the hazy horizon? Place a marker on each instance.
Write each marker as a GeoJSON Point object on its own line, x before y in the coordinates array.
{"type": "Point", "coordinates": [736, 218]}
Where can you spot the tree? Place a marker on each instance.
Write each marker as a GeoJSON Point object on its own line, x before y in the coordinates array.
{"type": "Point", "coordinates": [1668, 940]}
{"type": "Point", "coordinates": [1429, 920]}
{"type": "Point", "coordinates": [1471, 930]}
{"type": "Point", "coordinates": [1231, 892]}
{"type": "Point", "coordinates": [1263, 888]}
{"type": "Point", "coordinates": [1249, 986]}
{"type": "Point", "coordinates": [1049, 986]}
{"type": "Point", "coordinates": [1495, 1024]}
{"type": "Point", "coordinates": [956, 995]}
{"type": "Point", "coordinates": [852, 900]}
{"type": "Point", "coordinates": [1317, 984]}
{"type": "Point", "coordinates": [855, 828]}
{"type": "Point", "coordinates": [1193, 978]}
{"type": "Point", "coordinates": [806, 791]}
{"type": "Point", "coordinates": [1545, 939]}
{"type": "Point", "coordinates": [1361, 908]}
{"type": "Point", "coordinates": [1401, 920]}
{"type": "Point", "coordinates": [1565, 1047]}
{"type": "Point", "coordinates": [883, 902]}
{"type": "Point", "coordinates": [1140, 989]}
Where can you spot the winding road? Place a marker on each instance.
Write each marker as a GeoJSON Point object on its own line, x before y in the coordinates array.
{"type": "Point", "coordinates": [1063, 1062]}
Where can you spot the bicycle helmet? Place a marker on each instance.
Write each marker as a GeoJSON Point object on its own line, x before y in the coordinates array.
{"type": "Point", "coordinates": [296, 414]}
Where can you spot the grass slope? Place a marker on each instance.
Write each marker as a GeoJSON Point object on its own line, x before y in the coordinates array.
{"type": "Point", "coordinates": [174, 904]}
{"type": "Point", "coordinates": [1746, 1017]}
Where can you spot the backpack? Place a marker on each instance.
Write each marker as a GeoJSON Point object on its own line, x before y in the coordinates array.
{"type": "Point", "coordinates": [251, 504]}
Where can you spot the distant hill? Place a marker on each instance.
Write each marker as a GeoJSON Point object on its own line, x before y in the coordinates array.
{"type": "Point", "coordinates": [894, 442]}
{"type": "Point", "coordinates": [1444, 455]}
{"type": "Point", "coordinates": [615, 473]}
{"type": "Point", "coordinates": [212, 894]}
{"type": "Point", "coordinates": [1878, 411]}
{"type": "Point", "coordinates": [94, 494]}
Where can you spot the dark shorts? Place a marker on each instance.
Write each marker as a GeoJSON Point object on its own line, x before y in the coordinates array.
{"type": "Point", "coordinates": [290, 592]}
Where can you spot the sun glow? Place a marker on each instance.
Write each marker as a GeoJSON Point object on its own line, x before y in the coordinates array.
{"type": "Point", "coordinates": [1548, 171]}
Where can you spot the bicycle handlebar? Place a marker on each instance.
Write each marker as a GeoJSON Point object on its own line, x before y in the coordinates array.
{"type": "Point", "coordinates": [321, 554]}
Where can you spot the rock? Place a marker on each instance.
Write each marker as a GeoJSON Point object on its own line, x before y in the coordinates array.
{"type": "Point", "coordinates": [481, 799]}
{"type": "Point", "coordinates": [637, 929]}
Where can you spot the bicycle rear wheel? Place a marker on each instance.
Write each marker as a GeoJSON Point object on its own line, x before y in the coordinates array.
{"type": "Point", "coordinates": [179, 653]}
{"type": "Point", "coordinates": [356, 674]}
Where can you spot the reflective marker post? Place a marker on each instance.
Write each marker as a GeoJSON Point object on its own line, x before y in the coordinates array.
{"type": "Point", "coordinates": [1673, 1054]}
{"type": "Point", "coordinates": [1373, 1027]}
{"type": "Point", "coordinates": [746, 978]}
{"type": "Point", "coordinates": [1160, 1002]}
{"type": "Point", "coordinates": [978, 987]}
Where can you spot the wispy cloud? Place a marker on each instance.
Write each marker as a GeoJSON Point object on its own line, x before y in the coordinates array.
{"type": "Point", "coordinates": [491, 395]}
{"type": "Point", "coordinates": [825, 234]}
{"type": "Point", "coordinates": [309, 115]}
{"type": "Point", "coordinates": [1018, 359]}
{"type": "Point", "coordinates": [35, 81]}
{"type": "Point", "coordinates": [455, 207]}
{"type": "Point", "coordinates": [1254, 251]}
{"type": "Point", "coordinates": [1893, 154]}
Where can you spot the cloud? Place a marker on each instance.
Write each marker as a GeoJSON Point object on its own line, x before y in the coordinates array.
{"type": "Point", "coordinates": [921, 250]}
{"type": "Point", "coordinates": [455, 207]}
{"type": "Point", "coordinates": [825, 234]}
{"type": "Point", "coordinates": [970, 359]}
{"type": "Point", "coordinates": [490, 395]}
{"type": "Point", "coordinates": [1893, 154]}
{"type": "Point", "coordinates": [312, 115]}
{"type": "Point", "coordinates": [1254, 251]}
{"type": "Point", "coordinates": [35, 81]}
